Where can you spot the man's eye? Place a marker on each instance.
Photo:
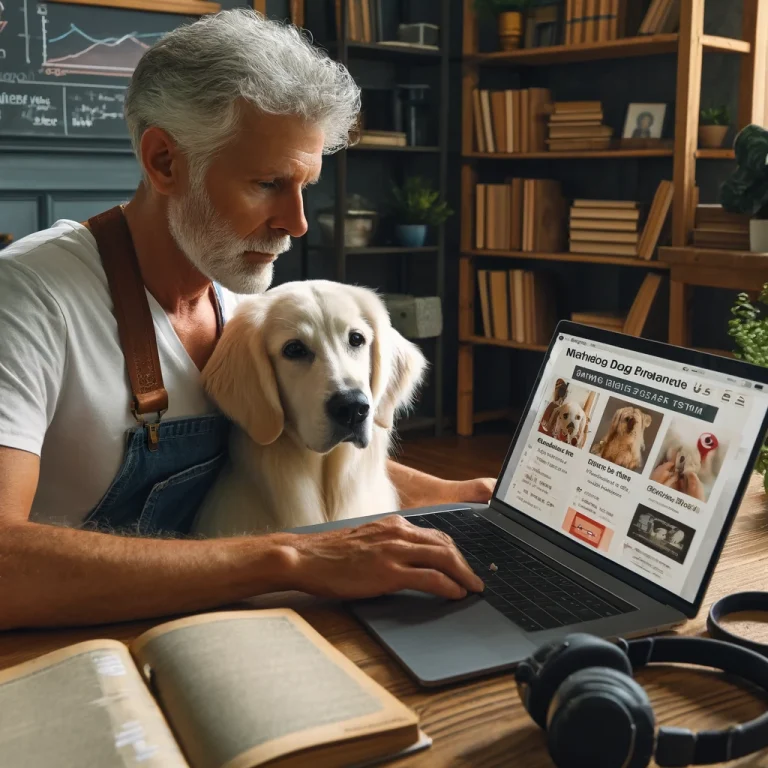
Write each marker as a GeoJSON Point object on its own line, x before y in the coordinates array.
{"type": "Point", "coordinates": [295, 350]}
{"type": "Point", "coordinates": [356, 339]}
{"type": "Point", "coordinates": [267, 184]}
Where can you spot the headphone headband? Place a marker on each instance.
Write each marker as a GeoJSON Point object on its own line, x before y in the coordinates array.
{"type": "Point", "coordinates": [680, 746]}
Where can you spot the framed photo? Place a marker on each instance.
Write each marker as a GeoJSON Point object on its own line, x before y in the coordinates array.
{"type": "Point", "coordinates": [644, 121]}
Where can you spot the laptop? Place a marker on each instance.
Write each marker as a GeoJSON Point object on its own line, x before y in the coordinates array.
{"type": "Point", "coordinates": [609, 515]}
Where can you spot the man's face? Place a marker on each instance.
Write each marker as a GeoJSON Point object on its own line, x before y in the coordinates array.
{"type": "Point", "coordinates": [232, 224]}
{"type": "Point", "coordinates": [645, 122]}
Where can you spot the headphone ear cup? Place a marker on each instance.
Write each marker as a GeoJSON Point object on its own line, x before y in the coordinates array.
{"type": "Point", "coordinates": [602, 718]}
{"type": "Point", "coordinates": [555, 662]}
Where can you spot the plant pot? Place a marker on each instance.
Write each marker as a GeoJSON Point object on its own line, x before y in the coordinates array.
{"type": "Point", "coordinates": [411, 235]}
{"type": "Point", "coordinates": [510, 30]}
{"type": "Point", "coordinates": [712, 136]}
{"type": "Point", "coordinates": [758, 235]}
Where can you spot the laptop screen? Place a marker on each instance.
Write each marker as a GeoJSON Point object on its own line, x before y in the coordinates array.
{"type": "Point", "coordinates": [634, 457]}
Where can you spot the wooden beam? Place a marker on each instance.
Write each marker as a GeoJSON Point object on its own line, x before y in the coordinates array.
{"type": "Point", "coordinates": [186, 7]}
{"type": "Point", "coordinates": [752, 79]}
{"type": "Point", "coordinates": [679, 330]}
{"type": "Point", "coordinates": [469, 43]}
{"type": "Point", "coordinates": [297, 12]}
{"type": "Point", "coordinates": [260, 6]}
{"type": "Point", "coordinates": [465, 399]}
{"type": "Point", "coordinates": [689, 61]}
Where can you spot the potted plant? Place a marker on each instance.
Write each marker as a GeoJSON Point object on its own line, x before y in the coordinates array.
{"type": "Point", "coordinates": [417, 206]}
{"type": "Point", "coordinates": [746, 190]}
{"type": "Point", "coordinates": [749, 329]}
{"type": "Point", "coordinates": [509, 14]}
{"type": "Point", "coordinates": [713, 125]}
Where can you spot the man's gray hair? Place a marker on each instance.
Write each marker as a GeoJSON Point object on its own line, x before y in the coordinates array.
{"type": "Point", "coordinates": [191, 82]}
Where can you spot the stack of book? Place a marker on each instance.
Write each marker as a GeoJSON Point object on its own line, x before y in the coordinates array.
{"type": "Point", "coordinates": [576, 126]}
{"type": "Point", "coordinates": [516, 305]}
{"type": "Point", "coordinates": [511, 121]}
{"type": "Point", "coordinates": [382, 138]}
{"type": "Point", "coordinates": [662, 16]}
{"type": "Point", "coordinates": [590, 21]}
{"type": "Point", "coordinates": [520, 215]}
{"type": "Point", "coordinates": [364, 20]}
{"type": "Point", "coordinates": [613, 227]}
{"type": "Point", "coordinates": [605, 227]}
{"type": "Point", "coordinates": [717, 228]}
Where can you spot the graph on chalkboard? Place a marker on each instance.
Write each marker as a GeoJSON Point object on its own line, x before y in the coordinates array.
{"type": "Point", "coordinates": [64, 69]}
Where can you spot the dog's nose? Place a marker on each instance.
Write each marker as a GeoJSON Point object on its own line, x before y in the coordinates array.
{"type": "Point", "coordinates": [348, 409]}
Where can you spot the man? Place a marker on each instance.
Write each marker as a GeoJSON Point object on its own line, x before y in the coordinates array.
{"type": "Point", "coordinates": [229, 119]}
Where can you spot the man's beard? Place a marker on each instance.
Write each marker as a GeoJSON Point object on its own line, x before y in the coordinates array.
{"type": "Point", "coordinates": [215, 250]}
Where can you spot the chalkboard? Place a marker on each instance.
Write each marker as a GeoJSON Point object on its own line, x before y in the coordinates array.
{"type": "Point", "coordinates": [64, 69]}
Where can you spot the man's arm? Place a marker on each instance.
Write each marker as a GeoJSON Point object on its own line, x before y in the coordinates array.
{"type": "Point", "coordinates": [417, 489]}
{"type": "Point", "coordinates": [54, 576]}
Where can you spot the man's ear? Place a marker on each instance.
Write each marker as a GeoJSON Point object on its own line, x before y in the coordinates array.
{"type": "Point", "coordinates": [407, 366]}
{"type": "Point", "coordinates": [240, 377]}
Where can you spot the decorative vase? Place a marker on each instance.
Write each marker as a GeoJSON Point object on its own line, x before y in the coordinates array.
{"type": "Point", "coordinates": [712, 136]}
{"type": "Point", "coordinates": [758, 235]}
{"type": "Point", "coordinates": [510, 30]}
{"type": "Point", "coordinates": [411, 235]}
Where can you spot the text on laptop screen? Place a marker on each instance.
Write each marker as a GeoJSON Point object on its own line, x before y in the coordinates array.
{"type": "Point", "coordinates": [636, 457]}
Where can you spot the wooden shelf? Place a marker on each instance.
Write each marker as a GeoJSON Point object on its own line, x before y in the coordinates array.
{"type": "Point", "coordinates": [591, 154]}
{"type": "Point", "coordinates": [187, 7]}
{"type": "Point", "coordinates": [483, 341]}
{"type": "Point", "coordinates": [715, 154]}
{"type": "Point", "coordinates": [649, 45]}
{"type": "Point", "coordinates": [382, 50]}
{"type": "Point", "coordinates": [584, 258]}
{"type": "Point", "coordinates": [736, 261]}
{"type": "Point", "coordinates": [377, 250]}
{"type": "Point", "coordinates": [377, 148]}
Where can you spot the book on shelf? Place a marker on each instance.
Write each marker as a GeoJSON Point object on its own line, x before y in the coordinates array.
{"type": "Point", "coordinates": [618, 204]}
{"type": "Point", "coordinates": [235, 689]}
{"type": "Point", "coordinates": [605, 212]}
{"type": "Point", "coordinates": [543, 24]}
{"type": "Point", "coordinates": [662, 16]}
{"type": "Point", "coordinates": [521, 214]}
{"type": "Point", "coordinates": [593, 117]}
{"type": "Point", "coordinates": [580, 131]}
{"type": "Point", "coordinates": [603, 249]}
{"type": "Point", "coordinates": [715, 227]}
{"type": "Point", "coordinates": [364, 20]}
{"type": "Point", "coordinates": [657, 217]}
{"type": "Point", "coordinates": [642, 305]}
{"type": "Point", "coordinates": [516, 305]}
{"type": "Point", "coordinates": [511, 121]}
{"type": "Point", "coordinates": [605, 227]}
{"type": "Point", "coordinates": [578, 145]}
{"type": "Point", "coordinates": [382, 138]}
{"type": "Point", "coordinates": [598, 236]}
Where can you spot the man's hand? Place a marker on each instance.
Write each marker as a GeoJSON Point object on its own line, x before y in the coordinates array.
{"type": "Point", "coordinates": [377, 558]}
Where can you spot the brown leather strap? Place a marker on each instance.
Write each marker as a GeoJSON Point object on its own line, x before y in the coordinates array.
{"type": "Point", "coordinates": [135, 326]}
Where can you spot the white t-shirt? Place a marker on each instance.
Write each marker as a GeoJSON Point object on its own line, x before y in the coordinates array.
{"type": "Point", "coordinates": [64, 388]}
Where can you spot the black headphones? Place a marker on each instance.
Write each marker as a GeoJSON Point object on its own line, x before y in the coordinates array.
{"type": "Point", "coordinates": [581, 692]}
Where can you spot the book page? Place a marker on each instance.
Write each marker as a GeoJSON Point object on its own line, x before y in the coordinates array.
{"type": "Point", "coordinates": [241, 688]}
{"type": "Point", "coordinates": [85, 705]}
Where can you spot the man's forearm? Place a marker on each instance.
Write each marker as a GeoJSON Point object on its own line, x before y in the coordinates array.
{"type": "Point", "coordinates": [414, 488]}
{"type": "Point", "coordinates": [52, 576]}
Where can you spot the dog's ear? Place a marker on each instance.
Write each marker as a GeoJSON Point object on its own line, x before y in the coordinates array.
{"type": "Point", "coordinates": [553, 419]}
{"type": "Point", "coordinates": [240, 377]}
{"type": "Point", "coordinates": [646, 420]}
{"type": "Point", "coordinates": [397, 365]}
{"type": "Point", "coordinates": [395, 383]}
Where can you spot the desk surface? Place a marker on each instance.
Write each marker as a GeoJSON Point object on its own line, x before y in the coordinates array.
{"type": "Point", "coordinates": [482, 724]}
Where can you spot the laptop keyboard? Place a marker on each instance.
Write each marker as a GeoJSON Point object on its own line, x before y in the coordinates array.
{"type": "Point", "coordinates": [525, 588]}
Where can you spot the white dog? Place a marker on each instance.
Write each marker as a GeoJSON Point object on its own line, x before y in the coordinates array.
{"type": "Point", "coordinates": [312, 374]}
{"type": "Point", "coordinates": [568, 423]}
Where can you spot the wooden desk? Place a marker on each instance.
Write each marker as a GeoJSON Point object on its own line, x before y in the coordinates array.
{"type": "Point", "coordinates": [689, 266]}
{"type": "Point", "coordinates": [482, 724]}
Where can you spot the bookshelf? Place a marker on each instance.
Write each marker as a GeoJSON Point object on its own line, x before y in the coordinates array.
{"type": "Point", "coordinates": [689, 44]}
{"type": "Point", "coordinates": [368, 62]}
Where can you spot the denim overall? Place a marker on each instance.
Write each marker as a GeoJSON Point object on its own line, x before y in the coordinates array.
{"type": "Point", "coordinates": [168, 466]}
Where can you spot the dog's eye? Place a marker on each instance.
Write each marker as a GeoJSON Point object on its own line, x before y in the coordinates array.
{"type": "Point", "coordinates": [295, 350]}
{"type": "Point", "coordinates": [356, 339]}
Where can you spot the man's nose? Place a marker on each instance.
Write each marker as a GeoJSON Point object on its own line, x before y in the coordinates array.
{"type": "Point", "coordinates": [289, 214]}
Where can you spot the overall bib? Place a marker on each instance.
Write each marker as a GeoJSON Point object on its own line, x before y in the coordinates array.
{"type": "Point", "coordinates": [168, 466]}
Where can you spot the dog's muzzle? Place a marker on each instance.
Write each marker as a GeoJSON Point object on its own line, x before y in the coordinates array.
{"type": "Point", "coordinates": [348, 412]}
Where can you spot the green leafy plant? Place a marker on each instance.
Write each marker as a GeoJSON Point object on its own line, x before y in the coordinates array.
{"type": "Point", "coordinates": [416, 202]}
{"type": "Point", "coordinates": [746, 190]}
{"type": "Point", "coordinates": [749, 329]}
{"type": "Point", "coordinates": [715, 116]}
{"type": "Point", "coordinates": [495, 7]}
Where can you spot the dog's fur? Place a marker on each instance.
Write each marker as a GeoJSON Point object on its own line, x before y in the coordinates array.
{"type": "Point", "coordinates": [625, 442]}
{"type": "Point", "coordinates": [289, 465]}
{"type": "Point", "coordinates": [568, 422]}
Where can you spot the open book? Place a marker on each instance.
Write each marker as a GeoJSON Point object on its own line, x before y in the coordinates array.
{"type": "Point", "coordinates": [229, 689]}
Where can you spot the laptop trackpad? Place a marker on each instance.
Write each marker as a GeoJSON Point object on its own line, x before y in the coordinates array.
{"type": "Point", "coordinates": [440, 640]}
